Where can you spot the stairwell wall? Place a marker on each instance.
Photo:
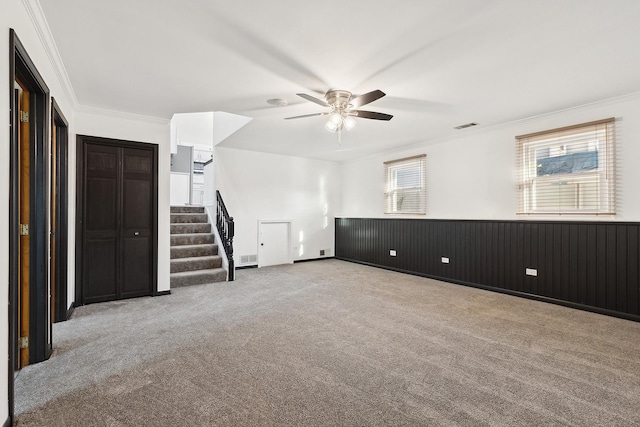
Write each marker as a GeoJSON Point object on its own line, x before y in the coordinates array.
{"type": "Point", "coordinates": [210, 208]}
{"type": "Point", "coordinates": [261, 186]}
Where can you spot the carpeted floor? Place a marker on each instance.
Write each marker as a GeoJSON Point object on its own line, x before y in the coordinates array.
{"type": "Point", "coordinates": [331, 343]}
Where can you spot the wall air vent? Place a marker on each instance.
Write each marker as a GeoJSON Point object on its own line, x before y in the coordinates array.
{"type": "Point", "coordinates": [248, 259]}
{"type": "Point", "coordinates": [467, 125]}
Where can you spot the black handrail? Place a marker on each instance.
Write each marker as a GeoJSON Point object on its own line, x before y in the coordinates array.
{"type": "Point", "coordinates": [224, 224]}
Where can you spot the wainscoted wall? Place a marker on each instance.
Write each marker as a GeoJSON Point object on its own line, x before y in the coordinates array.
{"type": "Point", "coordinates": [588, 265]}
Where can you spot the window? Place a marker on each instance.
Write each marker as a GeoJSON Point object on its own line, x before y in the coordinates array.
{"type": "Point", "coordinates": [568, 170]}
{"type": "Point", "coordinates": [405, 186]}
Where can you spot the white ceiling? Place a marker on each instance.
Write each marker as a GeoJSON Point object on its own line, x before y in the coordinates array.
{"type": "Point", "coordinates": [442, 63]}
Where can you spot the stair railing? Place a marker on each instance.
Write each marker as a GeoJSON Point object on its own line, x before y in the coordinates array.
{"type": "Point", "coordinates": [225, 226]}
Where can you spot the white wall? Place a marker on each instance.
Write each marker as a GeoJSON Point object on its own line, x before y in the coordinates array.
{"type": "Point", "coordinates": [139, 129]}
{"type": "Point", "coordinates": [209, 185]}
{"type": "Point", "coordinates": [211, 206]}
{"type": "Point", "coordinates": [204, 129]}
{"type": "Point", "coordinates": [193, 129]}
{"type": "Point", "coordinates": [258, 186]}
{"type": "Point", "coordinates": [179, 188]}
{"type": "Point", "coordinates": [473, 176]}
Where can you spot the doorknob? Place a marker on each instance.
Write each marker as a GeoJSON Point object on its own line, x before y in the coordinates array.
{"type": "Point", "coordinates": [137, 233]}
{"type": "Point", "coordinates": [261, 244]}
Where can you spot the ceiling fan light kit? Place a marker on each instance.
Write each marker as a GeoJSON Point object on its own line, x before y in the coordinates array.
{"type": "Point", "coordinates": [348, 122]}
{"type": "Point", "coordinates": [334, 123]}
{"type": "Point", "coordinates": [343, 111]}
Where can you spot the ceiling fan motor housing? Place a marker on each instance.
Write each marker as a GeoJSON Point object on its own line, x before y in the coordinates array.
{"type": "Point", "coordinates": [338, 99]}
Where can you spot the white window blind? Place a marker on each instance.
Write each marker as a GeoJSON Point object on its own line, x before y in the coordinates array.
{"type": "Point", "coordinates": [569, 170]}
{"type": "Point", "coordinates": [405, 186]}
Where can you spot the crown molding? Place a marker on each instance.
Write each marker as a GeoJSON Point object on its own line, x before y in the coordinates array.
{"type": "Point", "coordinates": [83, 109]}
{"type": "Point", "coordinates": [40, 24]}
{"type": "Point", "coordinates": [499, 126]}
{"type": "Point", "coordinates": [39, 21]}
{"type": "Point", "coordinates": [600, 103]}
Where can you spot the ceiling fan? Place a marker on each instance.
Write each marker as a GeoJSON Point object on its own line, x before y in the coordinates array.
{"type": "Point", "coordinates": [344, 106]}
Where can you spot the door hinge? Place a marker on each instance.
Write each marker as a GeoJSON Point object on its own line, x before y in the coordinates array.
{"type": "Point", "coordinates": [24, 229]}
{"type": "Point", "coordinates": [24, 116]}
{"type": "Point", "coordinates": [23, 342]}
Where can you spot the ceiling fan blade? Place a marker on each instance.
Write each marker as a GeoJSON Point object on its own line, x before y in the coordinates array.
{"type": "Point", "coordinates": [306, 115]}
{"type": "Point", "coordinates": [371, 115]}
{"type": "Point", "coordinates": [366, 98]}
{"type": "Point", "coordinates": [313, 99]}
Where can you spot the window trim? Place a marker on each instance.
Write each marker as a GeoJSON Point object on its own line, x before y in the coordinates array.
{"type": "Point", "coordinates": [604, 176]}
{"type": "Point", "coordinates": [388, 166]}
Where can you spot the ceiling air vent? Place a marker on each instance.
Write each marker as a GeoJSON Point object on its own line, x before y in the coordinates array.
{"type": "Point", "coordinates": [468, 125]}
{"type": "Point", "coordinates": [277, 102]}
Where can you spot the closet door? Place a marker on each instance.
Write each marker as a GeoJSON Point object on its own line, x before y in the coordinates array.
{"type": "Point", "coordinates": [118, 220]}
{"type": "Point", "coordinates": [101, 217]}
{"type": "Point", "coordinates": [136, 233]}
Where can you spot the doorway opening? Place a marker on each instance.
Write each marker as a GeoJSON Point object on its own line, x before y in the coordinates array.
{"type": "Point", "coordinates": [60, 307]}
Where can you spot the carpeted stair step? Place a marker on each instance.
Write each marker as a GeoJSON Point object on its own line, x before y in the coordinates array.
{"type": "Point", "coordinates": [194, 255]}
{"type": "Point", "coordinates": [196, 263]}
{"type": "Point", "coordinates": [188, 251]}
{"type": "Point", "coordinates": [198, 277]}
{"type": "Point", "coordinates": [189, 218]}
{"type": "Point", "coordinates": [187, 209]}
{"type": "Point", "coordinates": [191, 239]}
{"type": "Point", "coordinates": [190, 228]}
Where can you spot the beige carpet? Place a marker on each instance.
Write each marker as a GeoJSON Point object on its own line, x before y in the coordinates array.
{"type": "Point", "coordinates": [331, 343]}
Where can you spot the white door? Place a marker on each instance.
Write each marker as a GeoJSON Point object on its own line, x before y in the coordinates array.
{"type": "Point", "coordinates": [274, 243]}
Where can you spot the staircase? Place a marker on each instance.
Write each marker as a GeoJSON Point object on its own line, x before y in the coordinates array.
{"type": "Point", "coordinates": [194, 255]}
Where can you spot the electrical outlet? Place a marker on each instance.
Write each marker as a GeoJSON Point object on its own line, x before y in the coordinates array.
{"type": "Point", "coordinates": [445, 260]}
{"type": "Point", "coordinates": [321, 252]}
{"type": "Point", "coordinates": [392, 252]}
{"type": "Point", "coordinates": [531, 272]}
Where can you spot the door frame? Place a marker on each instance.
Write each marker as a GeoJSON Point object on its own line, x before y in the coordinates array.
{"type": "Point", "coordinates": [62, 310]}
{"type": "Point", "coordinates": [275, 221]}
{"type": "Point", "coordinates": [81, 140]}
{"type": "Point", "coordinates": [21, 66]}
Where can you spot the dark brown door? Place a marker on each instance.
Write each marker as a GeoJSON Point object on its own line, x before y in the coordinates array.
{"type": "Point", "coordinates": [118, 221]}
{"type": "Point", "coordinates": [136, 231]}
{"type": "Point", "coordinates": [24, 201]}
